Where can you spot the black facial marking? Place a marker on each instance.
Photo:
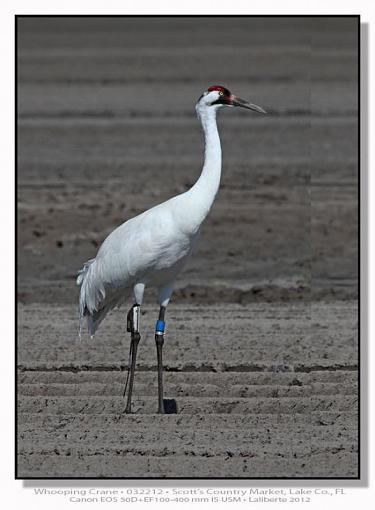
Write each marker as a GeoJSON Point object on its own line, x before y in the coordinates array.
{"type": "Point", "coordinates": [221, 100]}
{"type": "Point", "coordinates": [224, 99]}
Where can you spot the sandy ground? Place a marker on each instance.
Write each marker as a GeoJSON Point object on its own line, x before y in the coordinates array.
{"type": "Point", "coordinates": [261, 348]}
{"type": "Point", "coordinates": [267, 390]}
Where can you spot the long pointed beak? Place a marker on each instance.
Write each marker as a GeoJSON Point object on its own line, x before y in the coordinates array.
{"type": "Point", "coordinates": [236, 101]}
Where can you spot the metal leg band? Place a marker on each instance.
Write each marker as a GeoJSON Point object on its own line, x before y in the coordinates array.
{"type": "Point", "coordinates": [133, 319]}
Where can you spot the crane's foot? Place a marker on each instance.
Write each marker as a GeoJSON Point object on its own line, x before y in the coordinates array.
{"type": "Point", "coordinates": [170, 406]}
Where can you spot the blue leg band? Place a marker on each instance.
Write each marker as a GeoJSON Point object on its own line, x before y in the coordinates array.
{"type": "Point", "coordinates": [160, 327]}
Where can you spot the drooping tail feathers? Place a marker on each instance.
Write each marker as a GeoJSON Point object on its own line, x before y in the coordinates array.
{"type": "Point", "coordinates": [92, 297]}
{"type": "Point", "coordinates": [95, 301]}
{"type": "Point", "coordinates": [95, 318]}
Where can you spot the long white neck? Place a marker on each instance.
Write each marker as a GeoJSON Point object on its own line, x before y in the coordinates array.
{"type": "Point", "coordinates": [202, 195]}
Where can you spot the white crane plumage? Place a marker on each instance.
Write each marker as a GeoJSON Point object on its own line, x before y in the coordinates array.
{"type": "Point", "coordinates": [152, 248]}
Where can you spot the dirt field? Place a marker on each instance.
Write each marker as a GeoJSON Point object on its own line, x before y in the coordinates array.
{"type": "Point", "coordinates": [261, 352]}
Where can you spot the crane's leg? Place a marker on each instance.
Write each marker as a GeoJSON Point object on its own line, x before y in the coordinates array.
{"type": "Point", "coordinates": [133, 328]}
{"type": "Point", "coordinates": [159, 340]}
{"type": "Point", "coordinates": [133, 320]}
{"type": "Point", "coordinates": [165, 405]}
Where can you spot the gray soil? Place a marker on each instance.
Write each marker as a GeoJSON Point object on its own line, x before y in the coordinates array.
{"type": "Point", "coordinates": [261, 350]}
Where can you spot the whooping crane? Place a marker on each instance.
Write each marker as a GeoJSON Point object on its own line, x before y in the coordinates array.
{"type": "Point", "coordinates": [152, 248]}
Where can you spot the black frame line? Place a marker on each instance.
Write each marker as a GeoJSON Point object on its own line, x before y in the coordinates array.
{"type": "Point", "coordinates": [359, 118]}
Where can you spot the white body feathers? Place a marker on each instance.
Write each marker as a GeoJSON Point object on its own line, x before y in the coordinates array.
{"type": "Point", "coordinates": [151, 249]}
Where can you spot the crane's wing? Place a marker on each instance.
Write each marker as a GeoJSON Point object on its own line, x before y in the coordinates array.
{"type": "Point", "coordinates": [133, 249]}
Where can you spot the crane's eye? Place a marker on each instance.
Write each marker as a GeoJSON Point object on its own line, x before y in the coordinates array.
{"type": "Point", "coordinates": [221, 93]}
